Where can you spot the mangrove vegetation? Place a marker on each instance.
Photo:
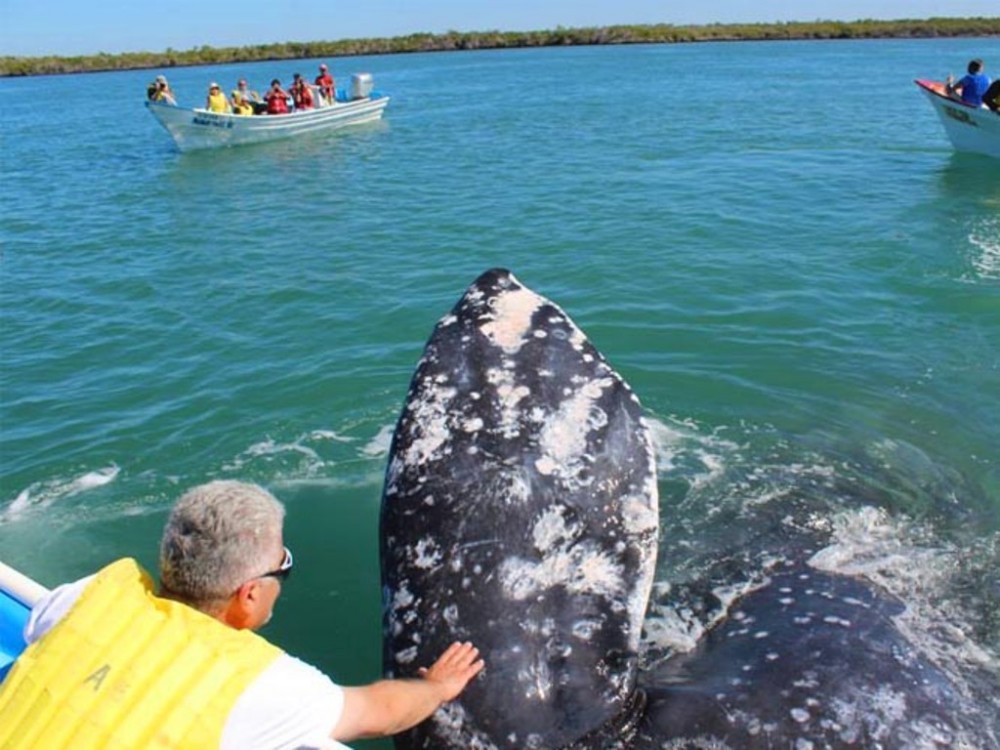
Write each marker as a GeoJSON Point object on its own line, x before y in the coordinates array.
{"type": "Point", "coordinates": [477, 40]}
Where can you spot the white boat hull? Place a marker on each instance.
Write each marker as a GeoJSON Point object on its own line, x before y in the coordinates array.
{"type": "Point", "coordinates": [973, 130]}
{"type": "Point", "coordinates": [194, 129]}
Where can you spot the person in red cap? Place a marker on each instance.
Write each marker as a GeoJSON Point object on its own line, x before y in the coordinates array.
{"type": "Point", "coordinates": [324, 82]}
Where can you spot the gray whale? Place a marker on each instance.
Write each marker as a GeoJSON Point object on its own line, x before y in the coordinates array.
{"type": "Point", "coordinates": [520, 511]}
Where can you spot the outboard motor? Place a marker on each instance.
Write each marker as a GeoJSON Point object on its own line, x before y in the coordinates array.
{"type": "Point", "coordinates": [361, 85]}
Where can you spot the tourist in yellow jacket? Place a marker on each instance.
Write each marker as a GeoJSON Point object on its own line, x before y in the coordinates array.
{"type": "Point", "coordinates": [216, 100]}
{"type": "Point", "coordinates": [111, 664]}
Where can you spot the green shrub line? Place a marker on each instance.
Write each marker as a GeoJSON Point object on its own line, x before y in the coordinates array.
{"type": "Point", "coordinates": [476, 40]}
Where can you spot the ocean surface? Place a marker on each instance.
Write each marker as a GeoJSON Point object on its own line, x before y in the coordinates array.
{"type": "Point", "coordinates": [772, 242]}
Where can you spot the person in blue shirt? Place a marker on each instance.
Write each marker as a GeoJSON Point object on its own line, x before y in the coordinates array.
{"type": "Point", "coordinates": [971, 87]}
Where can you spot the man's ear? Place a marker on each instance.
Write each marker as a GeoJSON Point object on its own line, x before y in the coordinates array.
{"type": "Point", "coordinates": [240, 609]}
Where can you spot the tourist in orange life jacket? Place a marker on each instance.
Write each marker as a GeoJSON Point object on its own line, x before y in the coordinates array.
{"type": "Point", "coordinates": [326, 86]}
{"type": "Point", "coordinates": [185, 667]}
{"type": "Point", "coordinates": [277, 99]}
{"type": "Point", "coordinates": [302, 94]}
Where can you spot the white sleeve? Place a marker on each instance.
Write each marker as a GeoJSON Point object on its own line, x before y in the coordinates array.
{"type": "Point", "coordinates": [291, 705]}
{"type": "Point", "coordinates": [52, 607]}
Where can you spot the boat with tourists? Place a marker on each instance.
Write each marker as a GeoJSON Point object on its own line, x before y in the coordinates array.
{"type": "Point", "coordinates": [18, 594]}
{"type": "Point", "coordinates": [198, 128]}
{"type": "Point", "coordinates": [971, 129]}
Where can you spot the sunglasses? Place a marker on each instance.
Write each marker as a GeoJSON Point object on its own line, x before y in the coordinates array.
{"type": "Point", "coordinates": [284, 571]}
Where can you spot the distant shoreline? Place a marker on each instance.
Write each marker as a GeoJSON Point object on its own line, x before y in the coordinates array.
{"type": "Point", "coordinates": [479, 40]}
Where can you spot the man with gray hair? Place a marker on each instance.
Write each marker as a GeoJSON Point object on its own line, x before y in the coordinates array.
{"type": "Point", "coordinates": [111, 664]}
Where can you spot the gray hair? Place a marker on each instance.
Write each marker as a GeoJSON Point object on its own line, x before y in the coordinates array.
{"type": "Point", "coordinates": [217, 538]}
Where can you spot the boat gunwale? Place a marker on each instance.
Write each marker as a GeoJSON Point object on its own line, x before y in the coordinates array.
{"type": "Point", "coordinates": [936, 88]}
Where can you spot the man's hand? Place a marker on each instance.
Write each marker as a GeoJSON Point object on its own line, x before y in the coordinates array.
{"type": "Point", "coordinates": [389, 706]}
{"type": "Point", "coordinates": [454, 668]}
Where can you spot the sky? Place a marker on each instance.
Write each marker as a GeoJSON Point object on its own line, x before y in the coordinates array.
{"type": "Point", "coordinates": [86, 27]}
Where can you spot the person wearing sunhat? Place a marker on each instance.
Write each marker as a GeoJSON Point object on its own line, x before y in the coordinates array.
{"type": "Point", "coordinates": [159, 91]}
{"type": "Point", "coordinates": [216, 100]}
{"type": "Point", "coordinates": [324, 82]}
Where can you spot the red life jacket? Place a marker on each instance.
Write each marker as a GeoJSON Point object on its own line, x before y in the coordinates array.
{"type": "Point", "coordinates": [325, 82]}
{"type": "Point", "coordinates": [276, 104]}
{"type": "Point", "coordinates": [304, 100]}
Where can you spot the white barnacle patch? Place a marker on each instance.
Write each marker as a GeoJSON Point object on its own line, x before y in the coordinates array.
{"type": "Point", "coordinates": [536, 680]}
{"type": "Point", "coordinates": [451, 724]}
{"type": "Point", "coordinates": [515, 489]}
{"type": "Point", "coordinates": [800, 715]}
{"type": "Point", "coordinates": [581, 568]}
{"type": "Point", "coordinates": [402, 598]}
{"type": "Point", "coordinates": [431, 413]}
{"type": "Point", "coordinates": [640, 511]}
{"type": "Point", "coordinates": [563, 436]}
{"type": "Point", "coordinates": [407, 655]}
{"type": "Point", "coordinates": [509, 397]}
{"type": "Point", "coordinates": [510, 318]}
{"type": "Point", "coordinates": [474, 424]}
{"type": "Point", "coordinates": [585, 629]}
{"type": "Point", "coordinates": [447, 320]}
{"type": "Point", "coordinates": [426, 554]}
{"type": "Point", "coordinates": [833, 620]}
{"type": "Point", "coordinates": [551, 529]}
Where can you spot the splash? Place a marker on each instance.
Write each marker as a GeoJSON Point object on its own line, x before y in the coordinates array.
{"type": "Point", "coordinates": [986, 240]}
{"type": "Point", "coordinates": [924, 573]}
{"type": "Point", "coordinates": [44, 494]}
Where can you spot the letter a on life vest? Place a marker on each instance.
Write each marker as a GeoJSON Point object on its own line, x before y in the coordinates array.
{"type": "Point", "coordinates": [98, 677]}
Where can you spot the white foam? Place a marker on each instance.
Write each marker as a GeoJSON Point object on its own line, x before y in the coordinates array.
{"type": "Point", "coordinates": [306, 451]}
{"type": "Point", "coordinates": [986, 240]}
{"type": "Point", "coordinates": [43, 494]}
{"type": "Point", "coordinates": [378, 446]}
{"type": "Point", "coordinates": [869, 543]}
{"type": "Point", "coordinates": [681, 442]}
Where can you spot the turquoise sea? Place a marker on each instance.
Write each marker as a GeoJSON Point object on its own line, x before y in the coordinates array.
{"type": "Point", "coordinates": [773, 242]}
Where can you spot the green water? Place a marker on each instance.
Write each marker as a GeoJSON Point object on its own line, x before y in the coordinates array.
{"type": "Point", "coordinates": [773, 243]}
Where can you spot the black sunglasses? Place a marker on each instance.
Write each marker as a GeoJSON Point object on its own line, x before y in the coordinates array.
{"type": "Point", "coordinates": [284, 571]}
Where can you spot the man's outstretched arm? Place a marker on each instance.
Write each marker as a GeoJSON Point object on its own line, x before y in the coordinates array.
{"type": "Point", "coordinates": [390, 706]}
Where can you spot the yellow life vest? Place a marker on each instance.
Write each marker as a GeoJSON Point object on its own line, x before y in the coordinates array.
{"type": "Point", "coordinates": [218, 103]}
{"type": "Point", "coordinates": [125, 670]}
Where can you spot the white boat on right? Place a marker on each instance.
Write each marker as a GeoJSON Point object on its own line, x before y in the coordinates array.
{"type": "Point", "coordinates": [971, 129]}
